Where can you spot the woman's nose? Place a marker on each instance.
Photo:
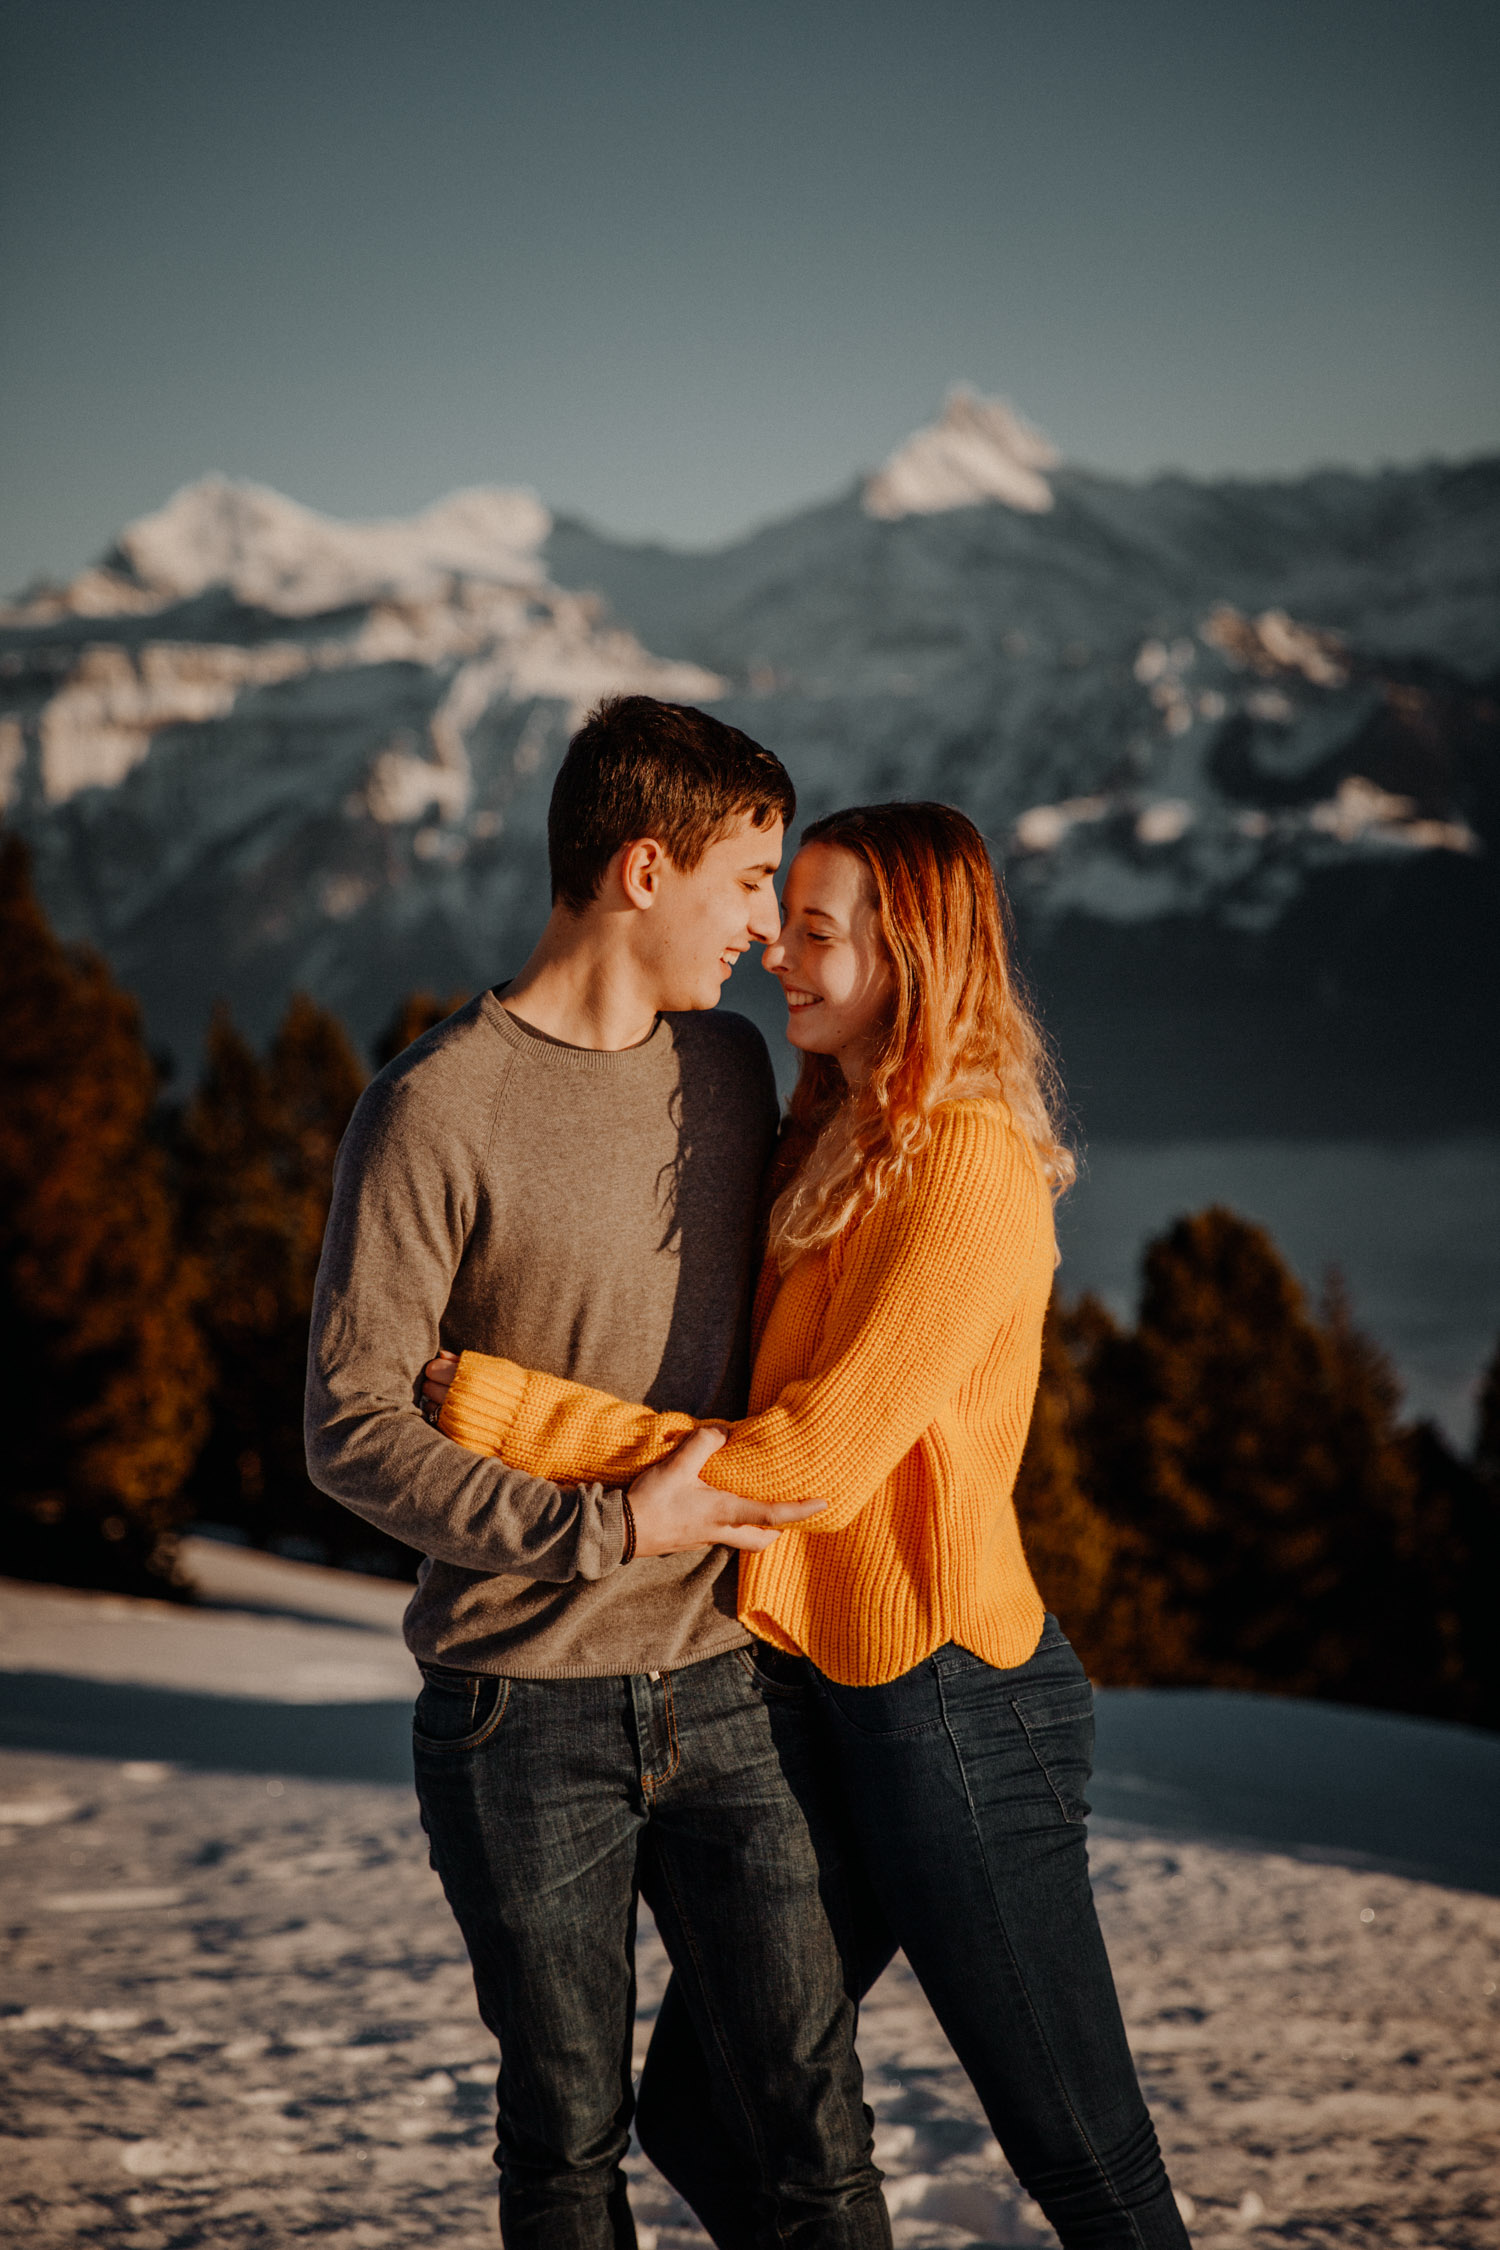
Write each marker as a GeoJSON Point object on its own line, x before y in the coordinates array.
{"type": "Point", "coordinates": [774, 957]}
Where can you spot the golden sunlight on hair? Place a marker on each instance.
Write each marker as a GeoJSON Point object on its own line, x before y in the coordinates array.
{"type": "Point", "coordinates": [960, 1028]}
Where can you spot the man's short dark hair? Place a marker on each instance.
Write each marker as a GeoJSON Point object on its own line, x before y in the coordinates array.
{"type": "Point", "coordinates": [638, 768]}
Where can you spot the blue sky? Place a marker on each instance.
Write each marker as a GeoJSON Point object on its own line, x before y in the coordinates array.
{"type": "Point", "coordinates": [681, 265]}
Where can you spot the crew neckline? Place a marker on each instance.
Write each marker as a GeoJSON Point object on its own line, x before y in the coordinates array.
{"type": "Point", "coordinates": [540, 1046]}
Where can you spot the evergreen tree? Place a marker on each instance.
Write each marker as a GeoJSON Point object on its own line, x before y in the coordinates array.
{"type": "Point", "coordinates": [1395, 1610]}
{"type": "Point", "coordinates": [1487, 1435]}
{"type": "Point", "coordinates": [257, 1148]}
{"type": "Point", "coordinates": [1455, 1585]}
{"type": "Point", "coordinates": [315, 1080]}
{"type": "Point", "coordinates": [1477, 1519]}
{"type": "Point", "coordinates": [1074, 1549]}
{"type": "Point", "coordinates": [235, 1217]}
{"type": "Point", "coordinates": [104, 1365]}
{"type": "Point", "coordinates": [1226, 1495]}
{"type": "Point", "coordinates": [1257, 1451]}
{"type": "Point", "coordinates": [418, 1012]}
{"type": "Point", "coordinates": [1094, 1566]}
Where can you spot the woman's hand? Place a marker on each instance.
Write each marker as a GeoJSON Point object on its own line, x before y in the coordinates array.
{"type": "Point", "coordinates": [437, 1376]}
{"type": "Point", "coordinates": [674, 1509]}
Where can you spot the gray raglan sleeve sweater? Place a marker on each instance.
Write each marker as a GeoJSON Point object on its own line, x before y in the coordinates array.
{"type": "Point", "coordinates": [403, 1199]}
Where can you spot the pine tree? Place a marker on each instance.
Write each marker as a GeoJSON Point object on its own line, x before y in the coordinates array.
{"type": "Point", "coordinates": [1266, 1469]}
{"type": "Point", "coordinates": [105, 1368]}
{"type": "Point", "coordinates": [257, 1148]}
{"type": "Point", "coordinates": [315, 1080]}
{"type": "Point", "coordinates": [1487, 1434]}
{"type": "Point", "coordinates": [1454, 1586]}
{"type": "Point", "coordinates": [1073, 1548]}
{"type": "Point", "coordinates": [1093, 1564]}
{"type": "Point", "coordinates": [418, 1012]}
{"type": "Point", "coordinates": [235, 1217]}
{"type": "Point", "coordinates": [1226, 1494]}
{"type": "Point", "coordinates": [1477, 1528]}
{"type": "Point", "coordinates": [1397, 1603]}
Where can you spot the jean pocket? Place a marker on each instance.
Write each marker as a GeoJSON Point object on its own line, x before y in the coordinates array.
{"type": "Point", "coordinates": [773, 1672]}
{"type": "Point", "coordinates": [1059, 1724]}
{"type": "Point", "coordinates": [458, 1710]}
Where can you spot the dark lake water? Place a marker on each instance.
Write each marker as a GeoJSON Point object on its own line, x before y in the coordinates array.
{"type": "Point", "coordinates": [1413, 1228]}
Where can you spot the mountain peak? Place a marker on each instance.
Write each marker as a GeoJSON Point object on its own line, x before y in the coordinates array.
{"type": "Point", "coordinates": [274, 554]}
{"type": "Point", "coordinates": [978, 449]}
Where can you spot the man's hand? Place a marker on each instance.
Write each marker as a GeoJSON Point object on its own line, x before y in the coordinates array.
{"type": "Point", "coordinates": [675, 1509]}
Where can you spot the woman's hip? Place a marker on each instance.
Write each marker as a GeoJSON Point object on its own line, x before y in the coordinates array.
{"type": "Point", "coordinates": [957, 1740]}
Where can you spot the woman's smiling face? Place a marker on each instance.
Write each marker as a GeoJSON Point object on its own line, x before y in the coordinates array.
{"type": "Point", "coordinates": [830, 959]}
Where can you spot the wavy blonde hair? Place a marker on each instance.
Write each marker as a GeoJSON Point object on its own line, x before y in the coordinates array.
{"type": "Point", "coordinates": [960, 1027]}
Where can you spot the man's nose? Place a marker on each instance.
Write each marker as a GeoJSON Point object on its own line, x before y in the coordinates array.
{"type": "Point", "coordinates": [765, 923]}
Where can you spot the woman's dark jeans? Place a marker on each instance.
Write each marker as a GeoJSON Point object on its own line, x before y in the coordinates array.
{"type": "Point", "coordinates": [964, 1791]}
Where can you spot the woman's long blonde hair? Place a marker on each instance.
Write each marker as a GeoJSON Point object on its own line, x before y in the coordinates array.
{"type": "Point", "coordinates": [959, 1027]}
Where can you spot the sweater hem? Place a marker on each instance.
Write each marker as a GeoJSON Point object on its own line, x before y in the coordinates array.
{"type": "Point", "coordinates": [647, 1664]}
{"type": "Point", "coordinates": [764, 1625]}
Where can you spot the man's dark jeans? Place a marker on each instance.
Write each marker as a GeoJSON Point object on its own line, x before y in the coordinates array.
{"type": "Point", "coordinates": [964, 1789]}
{"type": "Point", "coordinates": [548, 1805]}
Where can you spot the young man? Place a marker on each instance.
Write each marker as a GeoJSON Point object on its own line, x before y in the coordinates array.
{"type": "Point", "coordinates": [566, 1173]}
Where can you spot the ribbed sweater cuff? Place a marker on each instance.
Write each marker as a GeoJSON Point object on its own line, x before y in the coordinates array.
{"type": "Point", "coordinates": [483, 1401]}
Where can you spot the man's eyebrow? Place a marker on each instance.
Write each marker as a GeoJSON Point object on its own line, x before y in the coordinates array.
{"type": "Point", "coordinates": [760, 867]}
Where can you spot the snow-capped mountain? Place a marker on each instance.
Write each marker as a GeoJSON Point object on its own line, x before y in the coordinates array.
{"type": "Point", "coordinates": [978, 449]}
{"type": "Point", "coordinates": [255, 749]}
{"type": "Point", "coordinates": [1237, 744]}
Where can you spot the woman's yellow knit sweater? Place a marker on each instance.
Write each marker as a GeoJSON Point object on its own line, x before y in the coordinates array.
{"type": "Point", "coordinates": [894, 1377]}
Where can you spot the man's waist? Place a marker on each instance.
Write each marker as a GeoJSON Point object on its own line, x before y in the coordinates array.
{"type": "Point", "coordinates": [659, 1613]}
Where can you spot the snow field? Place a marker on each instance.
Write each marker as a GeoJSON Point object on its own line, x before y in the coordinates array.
{"type": "Point", "coordinates": [236, 2011]}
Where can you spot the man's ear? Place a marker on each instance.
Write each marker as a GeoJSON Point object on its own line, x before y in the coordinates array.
{"type": "Point", "coordinates": [641, 866]}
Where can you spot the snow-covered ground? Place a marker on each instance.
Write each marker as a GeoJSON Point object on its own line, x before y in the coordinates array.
{"type": "Point", "coordinates": [235, 2011]}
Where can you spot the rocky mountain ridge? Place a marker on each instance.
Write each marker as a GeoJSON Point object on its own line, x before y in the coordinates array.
{"type": "Point", "coordinates": [1237, 746]}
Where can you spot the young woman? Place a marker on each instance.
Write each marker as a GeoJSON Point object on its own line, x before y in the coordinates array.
{"type": "Point", "coordinates": [897, 1341]}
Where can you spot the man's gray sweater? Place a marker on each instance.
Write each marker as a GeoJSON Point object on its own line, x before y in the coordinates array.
{"type": "Point", "coordinates": [588, 1213]}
